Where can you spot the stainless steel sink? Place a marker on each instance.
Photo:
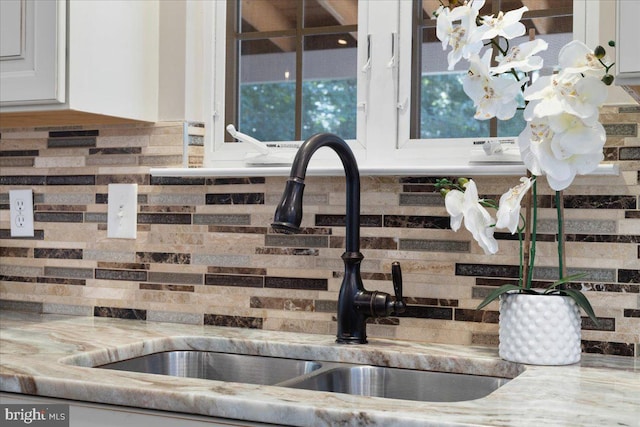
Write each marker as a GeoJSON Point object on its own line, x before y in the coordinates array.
{"type": "Point", "coordinates": [404, 384]}
{"type": "Point", "coordinates": [217, 366]}
{"type": "Point", "coordinates": [364, 380]}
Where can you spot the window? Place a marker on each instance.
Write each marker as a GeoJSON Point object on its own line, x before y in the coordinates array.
{"type": "Point", "coordinates": [286, 79]}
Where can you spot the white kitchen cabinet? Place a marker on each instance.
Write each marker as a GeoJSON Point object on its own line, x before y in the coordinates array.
{"type": "Point", "coordinates": [627, 50]}
{"type": "Point", "coordinates": [79, 61]}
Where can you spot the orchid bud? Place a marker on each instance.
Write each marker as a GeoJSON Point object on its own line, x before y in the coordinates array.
{"type": "Point", "coordinates": [462, 182]}
{"type": "Point", "coordinates": [607, 79]}
{"type": "Point", "coordinates": [444, 191]}
{"type": "Point", "coordinates": [599, 52]}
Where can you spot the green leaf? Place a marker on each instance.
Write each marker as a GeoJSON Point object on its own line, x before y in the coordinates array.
{"type": "Point", "coordinates": [496, 293]}
{"type": "Point", "coordinates": [567, 279]}
{"type": "Point", "coordinates": [582, 302]}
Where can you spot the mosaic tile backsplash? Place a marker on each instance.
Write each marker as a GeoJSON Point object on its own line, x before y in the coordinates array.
{"type": "Point", "coordinates": [205, 253]}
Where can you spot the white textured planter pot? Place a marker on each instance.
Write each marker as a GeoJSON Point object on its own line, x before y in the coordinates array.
{"type": "Point", "coordinates": [539, 329]}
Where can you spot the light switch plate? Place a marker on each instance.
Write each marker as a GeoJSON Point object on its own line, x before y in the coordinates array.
{"type": "Point", "coordinates": [122, 211]}
{"type": "Point", "coordinates": [21, 212]}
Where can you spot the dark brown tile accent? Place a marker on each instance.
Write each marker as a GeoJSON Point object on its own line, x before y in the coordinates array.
{"type": "Point", "coordinates": [25, 279]}
{"type": "Point", "coordinates": [115, 150]}
{"type": "Point", "coordinates": [297, 240]}
{"type": "Point", "coordinates": [419, 188]}
{"type": "Point", "coordinates": [120, 313]}
{"type": "Point", "coordinates": [19, 153]}
{"type": "Point", "coordinates": [286, 304]}
{"type": "Point", "coordinates": [163, 287]}
{"type": "Point", "coordinates": [60, 208]}
{"type": "Point", "coordinates": [631, 312]}
{"type": "Point", "coordinates": [6, 252]}
{"type": "Point", "coordinates": [288, 251]}
{"type": "Point", "coordinates": [237, 270]}
{"type": "Point", "coordinates": [163, 257]}
{"type": "Point", "coordinates": [366, 242]}
{"type": "Point", "coordinates": [234, 199]}
{"type": "Point", "coordinates": [632, 214]}
{"type": "Point", "coordinates": [420, 179]}
{"type": "Point", "coordinates": [610, 153]}
{"type": "Point", "coordinates": [161, 218]}
{"type": "Point", "coordinates": [433, 245]}
{"type": "Point", "coordinates": [123, 265]}
{"type": "Point", "coordinates": [236, 181]}
{"type": "Point", "coordinates": [605, 324]}
{"type": "Point", "coordinates": [23, 180]}
{"type": "Point", "coordinates": [627, 288]}
{"type": "Point", "coordinates": [233, 321]}
{"type": "Point", "coordinates": [237, 280]}
{"type": "Point", "coordinates": [600, 202]}
{"type": "Point", "coordinates": [420, 312]}
{"type": "Point", "coordinates": [471, 315]}
{"type": "Point", "coordinates": [73, 133]}
{"type": "Point", "coordinates": [487, 270]}
{"type": "Point", "coordinates": [432, 301]}
{"type": "Point", "coordinates": [225, 219]}
{"type": "Point", "coordinates": [167, 209]}
{"type": "Point", "coordinates": [602, 238]}
{"type": "Point", "coordinates": [122, 179]}
{"type": "Point", "coordinates": [171, 180]}
{"type": "Point", "coordinates": [57, 253]}
{"type": "Point", "coordinates": [70, 180]}
{"type": "Point", "coordinates": [58, 217]}
{"type": "Point", "coordinates": [6, 234]}
{"type": "Point", "coordinates": [295, 283]}
{"type": "Point", "coordinates": [417, 221]}
{"type": "Point", "coordinates": [628, 276]}
{"type": "Point", "coordinates": [612, 348]}
{"type": "Point", "coordinates": [240, 230]}
{"type": "Point", "coordinates": [323, 220]}
{"type": "Point", "coordinates": [132, 275]}
{"type": "Point", "coordinates": [59, 281]}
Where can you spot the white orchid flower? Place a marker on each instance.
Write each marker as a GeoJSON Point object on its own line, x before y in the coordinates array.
{"type": "Point", "coordinates": [453, 202]}
{"type": "Point", "coordinates": [561, 156]}
{"type": "Point", "coordinates": [576, 58]}
{"type": "Point", "coordinates": [508, 215]}
{"type": "Point", "coordinates": [521, 57]}
{"type": "Point", "coordinates": [506, 25]}
{"type": "Point", "coordinates": [477, 219]}
{"type": "Point", "coordinates": [459, 36]}
{"type": "Point", "coordinates": [492, 96]}
{"type": "Point", "coordinates": [562, 93]}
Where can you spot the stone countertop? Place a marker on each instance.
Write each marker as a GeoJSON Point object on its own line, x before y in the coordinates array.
{"type": "Point", "coordinates": [52, 355]}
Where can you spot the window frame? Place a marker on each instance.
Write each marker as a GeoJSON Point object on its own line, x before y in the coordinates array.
{"type": "Point", "coordinates": [382, 145]}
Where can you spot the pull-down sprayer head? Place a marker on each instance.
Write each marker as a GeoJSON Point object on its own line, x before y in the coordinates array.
{"type": "Point", "coordinates": [288, 214]}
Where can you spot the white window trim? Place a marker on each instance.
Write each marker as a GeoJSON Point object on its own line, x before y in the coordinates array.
{"type": "Point", "coordinates": [383, 146]}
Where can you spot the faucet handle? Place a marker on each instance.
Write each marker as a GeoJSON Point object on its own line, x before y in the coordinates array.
{"type": "Point", "coordinates": [396, 277]}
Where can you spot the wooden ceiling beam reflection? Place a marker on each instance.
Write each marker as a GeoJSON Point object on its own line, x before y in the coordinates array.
{"type": "Point", "coordinates": [264, 16]}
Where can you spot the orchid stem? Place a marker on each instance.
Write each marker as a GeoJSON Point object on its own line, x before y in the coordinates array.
{"type": "Point", "coordinates": [534, 226]}
{"type": "Point", "coordinates": [560, 213]}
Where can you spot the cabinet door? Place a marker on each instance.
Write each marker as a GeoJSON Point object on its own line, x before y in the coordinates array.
{"type": "Point", "coordinates": [627, 52]}
{"type": "Point", "coordinates": [32, 51]}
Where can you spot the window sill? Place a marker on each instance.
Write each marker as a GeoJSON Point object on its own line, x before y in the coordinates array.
{"type": "Point", "coordinates": [240, 170]}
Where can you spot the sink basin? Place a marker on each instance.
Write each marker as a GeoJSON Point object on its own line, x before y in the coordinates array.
{"type": "Point", "coordinates": [404, 384]}
{"type": "Point", "coordinates": [217, 366]}
{"type": "Point", "coordinates": [364, 380]}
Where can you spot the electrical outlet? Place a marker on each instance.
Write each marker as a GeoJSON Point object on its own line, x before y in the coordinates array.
{"type": "Point", "coordinates": [122, 211]}
{"type": "Point", "coordinates": [21, 213]}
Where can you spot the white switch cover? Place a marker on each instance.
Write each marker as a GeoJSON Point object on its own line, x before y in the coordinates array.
{"type": "Point", "coordinates": [21, 212]}
{"type": "Point", "coordinates": [122, 211]}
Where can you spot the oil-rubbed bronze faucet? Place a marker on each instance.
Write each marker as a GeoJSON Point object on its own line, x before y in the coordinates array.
{"type": "Point", "coordinates": [355, 304]}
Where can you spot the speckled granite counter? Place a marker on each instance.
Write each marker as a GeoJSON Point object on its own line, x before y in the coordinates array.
{"type": "Point", "coordinates": [50, 355]}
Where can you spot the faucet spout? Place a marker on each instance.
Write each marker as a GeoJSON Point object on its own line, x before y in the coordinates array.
{"type": "Point", "coordinates": [355, 303]}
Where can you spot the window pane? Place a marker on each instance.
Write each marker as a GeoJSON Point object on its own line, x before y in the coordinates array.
{"type": "Point", "coordinates": [329, 85]}
{"type": "Point", "coordinates": [445, 110]}
{"type": "Point", "coordinates": [267, 93]}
